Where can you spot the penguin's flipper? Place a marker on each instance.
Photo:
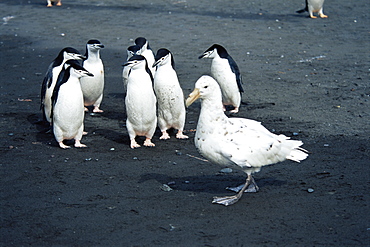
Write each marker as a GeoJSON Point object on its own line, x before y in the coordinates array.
{"type": "Point", "coordinates": [235, 69]}
{"type": "Point", "coordinates": [45, 82]}
{"type": "Point", "coordinates": [62, 78]}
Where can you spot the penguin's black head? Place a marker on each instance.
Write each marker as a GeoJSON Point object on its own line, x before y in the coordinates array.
{"type": "Point", "coordinates": [219, 49]}
{"type": "Point", "coordinates": [70, 50]}
{"type": "Point", "coordinates": [68, 53]}
{"type": "Point", "coordinates": [162, 54]}
{"type": "Point", "coordinates": [75, 64]}
{"type": "Point", "coordinates": [135, 59]}
{"type": "Point", "coordinates": [139, 60]}
{"type": "Point", "coordinates": [140, 41]}
{"type": "Point", "coordinates": [95, 44]}
{"type": "Point", "coordinates": [133, 50]}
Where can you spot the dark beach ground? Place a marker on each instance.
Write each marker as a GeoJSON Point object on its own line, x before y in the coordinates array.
{"type": "Point", "coordinates": [305, 78]}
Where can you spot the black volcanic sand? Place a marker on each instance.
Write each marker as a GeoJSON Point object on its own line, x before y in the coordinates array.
{"type": "Point", "coordinates": [305, 78]}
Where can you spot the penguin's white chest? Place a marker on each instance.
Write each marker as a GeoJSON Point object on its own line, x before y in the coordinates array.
{"type": "Point", "coordinates": [221, 71]}
{"type": "Point", "coordinates": [92, 87]}
{"type": "Point", "coordinates": [171, 108]}
{"type": "Point", "coordinates": [167, 88]}
{"type": "Point", "coordinates": [148, 54]}
{"type": "Point", "coordinates": [140, 102]}
{"type": "Point", "coordinates": [68, 111]}
{"type": "Point", "coordinates": [316, 5]}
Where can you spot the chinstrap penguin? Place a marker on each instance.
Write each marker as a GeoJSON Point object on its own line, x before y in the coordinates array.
{"type": "Point", "coordinates": [93, 87]}
{"type": "Point", "coordinates": [131, 51]}
{"type": "Point", "coordinates": [51, 77]}
{"type": "Point", "coordinates": [237, 142]}
{"type": "Point", "coordinates": [145, 51]}
{"type": "Point", "coordinates": [313, 6]}
{"type": "Point", "coordinates": [68, 105]}
{"type": "Point", "coordinates": [170, 97]}
{"type": "Point", "coordinates": [140, 102]}
{"type": "Point", "coordinates": [227, 74]}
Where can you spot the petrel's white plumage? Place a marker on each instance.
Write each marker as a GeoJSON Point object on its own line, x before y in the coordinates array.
{"type": "Point", "coordinates": [239, 142]}
{"type": "Point", "coordinates": [171, 105]}
{"type": "Point", "coordinates": [140, 102]}
{"type": "Point", "coordinates": [226, 72]}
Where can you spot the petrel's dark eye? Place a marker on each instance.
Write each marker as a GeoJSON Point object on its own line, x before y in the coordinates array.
{"type": "Point", "coordinates": [205, 86]}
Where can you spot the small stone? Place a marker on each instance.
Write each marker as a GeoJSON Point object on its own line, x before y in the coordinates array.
{"type": "Point", "coordinates": [112, 149]}
{"type": "Point", "coordinates": [226, 170]}
{"type": "Point", "coordinates": [166, 188]}
{"type": "Point", "coordinates": [310, 190]}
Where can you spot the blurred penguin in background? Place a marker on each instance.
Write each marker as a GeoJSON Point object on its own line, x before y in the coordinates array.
{"type": "Point", "coordinates": [50, 3]}
{"type": "Point", "coordinates": [314, 6]}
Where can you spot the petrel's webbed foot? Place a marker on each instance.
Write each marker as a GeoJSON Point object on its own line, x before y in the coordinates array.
{"type": "Point", "coordinates": [226, 200]}
{"type": "Point", "coordinates": [229, 200]}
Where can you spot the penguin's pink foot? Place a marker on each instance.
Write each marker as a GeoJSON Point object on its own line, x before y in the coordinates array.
{"type": "Point", "coordinates": [96, 109]}
{"type": "Point", "coordinates": [148, 143]}
{"type": "Point", "coordinates": [323, 16]}
{"type": "Point", "coordinates": [62, 145]}
{"type": "Point", "coordinates": [164, 136]}
{"type": "Point", "coordinates": [78, 144]}
{"type": "Point", "coordinates": [59, 3]}
{"type": "Point", "coordinates": [85, 109]}
{"type": "Point", "coordinates": [180, 135]}
{"type": "Point", "coordinates": [236, 110]}
{"type": "Point", "coordinates": [134, 144]}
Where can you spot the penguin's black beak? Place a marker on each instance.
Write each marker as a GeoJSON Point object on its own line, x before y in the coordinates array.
{"type": "Point", "coordinates": [81, 57]}
{"type": "Point", "coordinates": [201, 56]}
{"type": "Point", "coordinates": [156, 63]}
{"type": "Point", "coordinates": [89, 74]}
{"type": "Point", "coordinates": [101, 46]}
{"type": "Point", "coordinates": [127, 64]}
